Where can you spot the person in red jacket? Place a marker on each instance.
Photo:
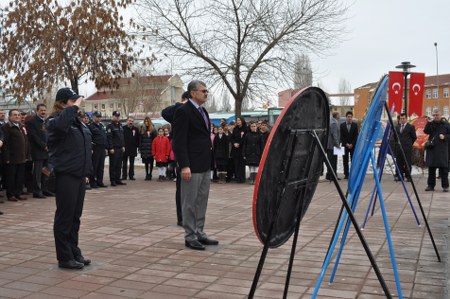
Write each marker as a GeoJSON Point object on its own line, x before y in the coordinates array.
{"type": "Point", "coordinates": [161, 150]}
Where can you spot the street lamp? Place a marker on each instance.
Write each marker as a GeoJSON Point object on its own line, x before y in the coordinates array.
{"type": "Point", "coordinates": [437, 75]}
{"type": "Point", "coordinates": [405, 66]}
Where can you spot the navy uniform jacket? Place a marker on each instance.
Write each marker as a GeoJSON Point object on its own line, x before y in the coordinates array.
{"type": "Point", "coordinates": [69, 144]}
{"type": "Point", "coordinates": [114, 133]}
{"type": "Point", "coordinates": [98, 134]}
{"type": "Point", "coordinates": [192, 139]}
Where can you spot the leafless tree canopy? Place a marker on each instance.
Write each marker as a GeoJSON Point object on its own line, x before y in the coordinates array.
{"type": "Point", "coordinates": [43, 43]}
{"type": "Point", "coordinates": [250, 45]}
{"type": "Point", "coordinates": [345, 87]}
{"type": "Point", "coordinates": [302, 72]}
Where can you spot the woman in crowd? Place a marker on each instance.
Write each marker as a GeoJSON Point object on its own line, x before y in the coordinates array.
{"type": "Point", "coordinates": [147, 134]}
{"type": "Point", "coordinates": [252, 150]}
{"type": "Point", "coordinates": [237, 138]}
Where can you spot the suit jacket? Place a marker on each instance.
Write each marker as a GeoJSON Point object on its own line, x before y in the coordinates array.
{"type": "Point", "coordinates": [407, 136]}
{"type": "Point", "coordinates": [37, 137]}
{"type": "Point", "coordinates": [131, 138]}
{"type": "Point", "coordinates": [347, 136]}
{"type": "Point", "coordinates": [191, 139]}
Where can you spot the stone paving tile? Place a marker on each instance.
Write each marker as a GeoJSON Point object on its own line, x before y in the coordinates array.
{"type": "Point", "coordinates": [138, 251]}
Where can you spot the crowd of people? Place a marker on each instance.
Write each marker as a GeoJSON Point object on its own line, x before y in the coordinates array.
{"type": "Point", "coordinates": [64, 154]}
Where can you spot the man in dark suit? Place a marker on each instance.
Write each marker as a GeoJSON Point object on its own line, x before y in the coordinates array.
{"type": "Point", "coordinates": [349, 136]}
{"type": "Point", "coordinates": [407, 134]}
{"type": "Point", "coordinates": [37, 137]}
{"type": "Point", "coordinates": [193, 151]}
{"type": "Point", "coordinates": [131, 137]}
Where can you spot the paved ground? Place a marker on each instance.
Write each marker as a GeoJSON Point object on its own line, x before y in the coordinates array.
{"type": "Point", "coordinates": [130, 233]}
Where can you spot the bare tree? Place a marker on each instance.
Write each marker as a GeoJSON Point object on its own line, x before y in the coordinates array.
{"type": "Point", "coordinates": [211, 104]}
{"type": "Point", "coordinates": [302, 72]}
{"type": "Point", "coordinates": [249, 45]}
{"type": "Point", "coordinates": [344, 87]}
{"type": "Point", "coordinates": [44, 43]}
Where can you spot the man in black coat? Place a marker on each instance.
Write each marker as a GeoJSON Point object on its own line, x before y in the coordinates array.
{"type": "Point", "coordinates": [193, 151]}
{"type": "Point", "coordinates": [407, 134]}
{"type": "Point", "coordinates": [131, 138]}
{"type": "Point", "coordinates": [349, 136]}
{"type": "Point", "coordinates": [437, 154]}
{"type": "Point", "coordinates": [168, 114]}
{"type": "Point", "coordinates": [99, 145]}
{"type": "Point", "coordinates": [37, 137]}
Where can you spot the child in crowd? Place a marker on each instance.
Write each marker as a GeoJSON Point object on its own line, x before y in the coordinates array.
{"type": "Point", "coordinates": [221, 153]}
{"type": "Point", "coordinates": [161, 150]}
{"type": "Point", "coordinates": [252, 151]}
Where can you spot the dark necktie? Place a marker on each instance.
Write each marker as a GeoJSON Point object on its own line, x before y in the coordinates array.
{"type": "Point", "coordinates": [204, 116]}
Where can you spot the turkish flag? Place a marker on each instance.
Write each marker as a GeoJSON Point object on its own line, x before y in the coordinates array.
{"type": "Point", "coordinates": [396, 85]}
{"type": "Point", "coordinates": [416, 87]}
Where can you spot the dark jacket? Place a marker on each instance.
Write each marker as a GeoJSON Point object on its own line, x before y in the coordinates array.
{"type": "Point", "coordinates": [264, 138]}
{"type": "Point", "coordinates": [37, 137]}
{"type": "Point", "coordinates": [437, 156]}
{"type": "Point", "coordinates": [347, 136]}
{"type": "Point", "coordinates": [168, 113]}
{"type": "Point", "coordinates": [131, 139]}
{"type": "Point", "coordinates": [15, 143]}
{"type": "Point", "coordinates": [69, 144]}
{"type": "Point", "coordinates": [252, 148]}
{"type": "Point", "coordinates": [191, 139]}
{"type": "Point", "coordinates": [407, 138]}
{"type": "Point", "coordinates": [221, 149]}
{"type": "Point", "coordinates": [145, 144]}
{"type": "Point", "coordinates": [114, 135]}
{"type": "Point", "coordinates": [98, 134]}
{"type": "Point", "coordinates": [237, 137]}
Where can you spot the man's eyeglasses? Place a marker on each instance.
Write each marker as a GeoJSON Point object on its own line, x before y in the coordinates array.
{"type": "Point", "coordinates": [203, 90]}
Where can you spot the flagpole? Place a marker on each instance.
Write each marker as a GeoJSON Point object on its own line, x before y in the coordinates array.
{"type": "Point", "coordinates": [405, 65]}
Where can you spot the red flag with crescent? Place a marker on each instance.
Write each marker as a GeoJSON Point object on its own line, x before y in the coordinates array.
{"type": "Point", "coordinates": [416, 87]}
{"type": "Point", "coordinates": [396, 85]}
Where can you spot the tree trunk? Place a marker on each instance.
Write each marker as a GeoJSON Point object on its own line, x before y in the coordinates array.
{"type": "Point", "coordinates": [74, 85]}
{"type": "Point", "coordinates": [237, 107]}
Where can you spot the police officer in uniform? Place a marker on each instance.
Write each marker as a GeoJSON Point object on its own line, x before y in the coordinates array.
{"type": "Point", "coordinates": [99, 144]}
{"type": "Point", "coordinates": [70, 147]}
{"type": "Point", "coordinates": [116, 148]}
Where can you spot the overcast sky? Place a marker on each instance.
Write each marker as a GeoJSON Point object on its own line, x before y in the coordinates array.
{"type": "Point", "coordinates": [384, 33]}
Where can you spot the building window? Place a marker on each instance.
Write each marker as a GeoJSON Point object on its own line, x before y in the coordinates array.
{"type": "Point", "coordinates": [446, 111]}
{"type": "Point", "coordinates": [103, 106]}
{"type": "Point", "coordinates": [435, 93]}
{"type": "Point", "coordinates": [428, 94]}
{"type": "Point", "coordinates": [445, 92]}
{"type": "Point", "coordinates": [428, 111]}
{"type": "Point", "coordinates": [96, 106]}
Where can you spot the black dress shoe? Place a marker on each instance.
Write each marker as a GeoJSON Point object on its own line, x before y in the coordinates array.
{"type": "Point", "coordinates": [120, 183]}
{"type": "Point", "coordinates": [194, 244]}
{"type": "Point", "coordinates": [124, 179]}
{"type": "Point", "coordinates": [429, 188]}
{"type": "Point", "coordinates": [82, 260]}
{"type": "Point", "coordinates": [132, 179]}
{"type": "Point", "coordinates": [48, 193]}
{"type": "Point", "coordinates": [70, 264]}
{"type": "Point", "coordinates": [208, 241]}
{"type": "Point", "coordinates": [113, 184]}
{"type": "Point", "coordinates": [102, 185]}
{"type": "Point", "coordinates": [180, 223]}
{"type": "Point", "coordinates": [38, 195]}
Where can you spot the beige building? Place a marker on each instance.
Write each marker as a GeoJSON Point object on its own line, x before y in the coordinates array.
{"type": "Point", "coordinates": [137, 95]}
